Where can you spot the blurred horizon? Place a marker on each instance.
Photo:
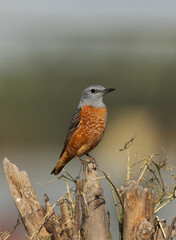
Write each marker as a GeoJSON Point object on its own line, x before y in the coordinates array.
{"type": "Point", "coordinates": [40, 26]}
{"type": "Point", "coordinates": [50, 51]}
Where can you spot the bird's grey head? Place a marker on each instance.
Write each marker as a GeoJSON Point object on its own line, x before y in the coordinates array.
{"type": "Point", "coordinates": [93, 96]}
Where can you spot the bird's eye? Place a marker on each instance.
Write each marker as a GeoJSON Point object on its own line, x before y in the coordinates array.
{"type": "Point", "coordinates": [93, 90]}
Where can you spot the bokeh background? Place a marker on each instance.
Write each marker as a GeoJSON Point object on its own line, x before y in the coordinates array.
{"type": "Point", "coordinates": [49, 52]}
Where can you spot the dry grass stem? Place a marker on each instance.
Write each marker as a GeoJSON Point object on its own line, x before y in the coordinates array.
{"type": "Point", "coordinates": [115, 189]}
{"type": "Point", "coordinates": [115, 202]}
{"type": "Point", "coordinates": [162, 230]}
{"type": "Point", "coordinates": [128, 165]}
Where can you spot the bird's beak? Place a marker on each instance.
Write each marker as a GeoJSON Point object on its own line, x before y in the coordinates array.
{"type": "Point", "coordinates": [107, 90]}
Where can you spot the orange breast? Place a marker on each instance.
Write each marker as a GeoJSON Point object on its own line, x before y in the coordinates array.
{"type": "Point", "coordinates": [89, 132]}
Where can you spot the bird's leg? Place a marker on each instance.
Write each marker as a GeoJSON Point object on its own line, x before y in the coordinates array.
{"type": "Point", "coordinates": [82, 161]}
{"type": "Point", "coordinates": [92, 160]}
{"type": "Point", "coordinates": [89, 160]}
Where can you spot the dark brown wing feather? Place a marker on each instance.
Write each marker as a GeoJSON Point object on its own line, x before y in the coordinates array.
{"type": "Point", "coordinates": [72, 127]}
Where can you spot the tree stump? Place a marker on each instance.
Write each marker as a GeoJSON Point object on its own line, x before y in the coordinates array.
{"type": "Point", "coordinates": [94, 219]}
{"type": "Point", "coordinates": [25, 199]}
{"type": "Point", "coordinates": [138, 212]}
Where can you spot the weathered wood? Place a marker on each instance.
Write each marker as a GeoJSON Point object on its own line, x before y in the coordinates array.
{"type": "Point", "coordinates": [164, 232]}
{"type": "Point", "coordinates": [66, 221]}
{"type": "Point", "coordinates": [77, 212]}
{"type": "Point", "coordinates": [50, 223]}
{"type": "Point", "coordinates": [25, 199]}
{"type": "Point", "coordinates": [138, 212]}
{"type": "Point", "coordinates": [94, 220]}
{"type": "Point", "coordinates": [171, 230]}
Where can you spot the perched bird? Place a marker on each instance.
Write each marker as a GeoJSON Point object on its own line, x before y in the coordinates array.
{"type": "Point", "coordinates": [87, 126]}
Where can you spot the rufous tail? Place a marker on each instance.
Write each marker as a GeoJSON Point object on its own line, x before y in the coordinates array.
{"type": "Point", "coordinates": [60, 164]}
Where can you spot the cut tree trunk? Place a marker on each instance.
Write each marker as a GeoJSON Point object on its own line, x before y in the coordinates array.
{"type": "Point", "coordinates": [25, 199]}
{"type": "Point", "coordinates": [94, 219]}
{"type": "Point", "coordinates": [138, 212]}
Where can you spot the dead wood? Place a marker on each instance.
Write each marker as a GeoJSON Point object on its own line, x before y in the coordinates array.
{"type": "Point", "coordinates": [164, 232]}
{"type": "Point", "coordinates": [66, 221]}
{"type": "Point", "coordinates": [172, 230]}
{"type": "Point", "coordinates": [40, 223]}
{"type": "Point", "coordinates": [138, 212]}
{"type": "Point", "coordinates": [94, 218]}
{"type": "Point", "coordinates": [25, 199]}
{"type": "Point", "coordinates": [77, 212]}
{"type": "Point", "coordinates": [50, 223]}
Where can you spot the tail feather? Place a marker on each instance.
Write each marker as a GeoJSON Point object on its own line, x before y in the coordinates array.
{"type": "Point", "coordinates": [53, 171]}
{"type": "Point", "coordinates": [56, 170]}
{"type": "Point", "coordinates": [60, 164]}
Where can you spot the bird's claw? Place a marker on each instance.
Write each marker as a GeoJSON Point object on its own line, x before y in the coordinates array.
{"type": "Point", "coordinates": [89, 160]}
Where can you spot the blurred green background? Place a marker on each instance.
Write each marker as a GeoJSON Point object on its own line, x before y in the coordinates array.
{"type": "Point", "coordinates": [50, 51]}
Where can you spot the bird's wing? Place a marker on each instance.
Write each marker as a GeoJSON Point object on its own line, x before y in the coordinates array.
{"type": "Point", "coordinates": [72, 127]}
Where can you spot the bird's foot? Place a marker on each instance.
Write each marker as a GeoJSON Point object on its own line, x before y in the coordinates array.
{"type": "Point", "coordinates": [93, 161]}
{"type": "Point", "coordinates": [88, 161]}
{"type": "Point", "coordinates": [84, 162]}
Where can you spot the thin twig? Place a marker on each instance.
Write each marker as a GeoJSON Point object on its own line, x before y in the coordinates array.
{"type": "Point", "coordinates": [143, 171]}
{"type": "Point", "coordinates": [4, 235]}
{"type": "Point", "coordinates": [36, 232]}
{"type": "Point", "coordinates": [162, 230]}
{"type": "Point", "coordinates": [159, 172]}
{"type": "Point", "coordinates": [57, 178]}
{"type": "Point", "coordinates": [147, 162]}
{"type": "Point", "coordinates": [128, 165]}
{"type": "Point", "coordinates": [115, 189]}
{"type": "Point", "coordinates": [69, 195]}
{"type": "Point", "coordinates": [129, 143]}
{"type": "Point", "coordinates": [141, 160]}
{"type": "Point", "coordinates": [166, 203]}
{"type": "Point", "coordinates": [115, 202]}
{"type": "Point", "coordinates": [73, 180]}
{"type": "Point", "coordinates": [156, 177]}
{"type": "Point", "coordinates": [171, 228]}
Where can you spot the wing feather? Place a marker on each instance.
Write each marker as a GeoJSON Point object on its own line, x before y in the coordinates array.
{"type": "Point", "coordinates": [72, 127]}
